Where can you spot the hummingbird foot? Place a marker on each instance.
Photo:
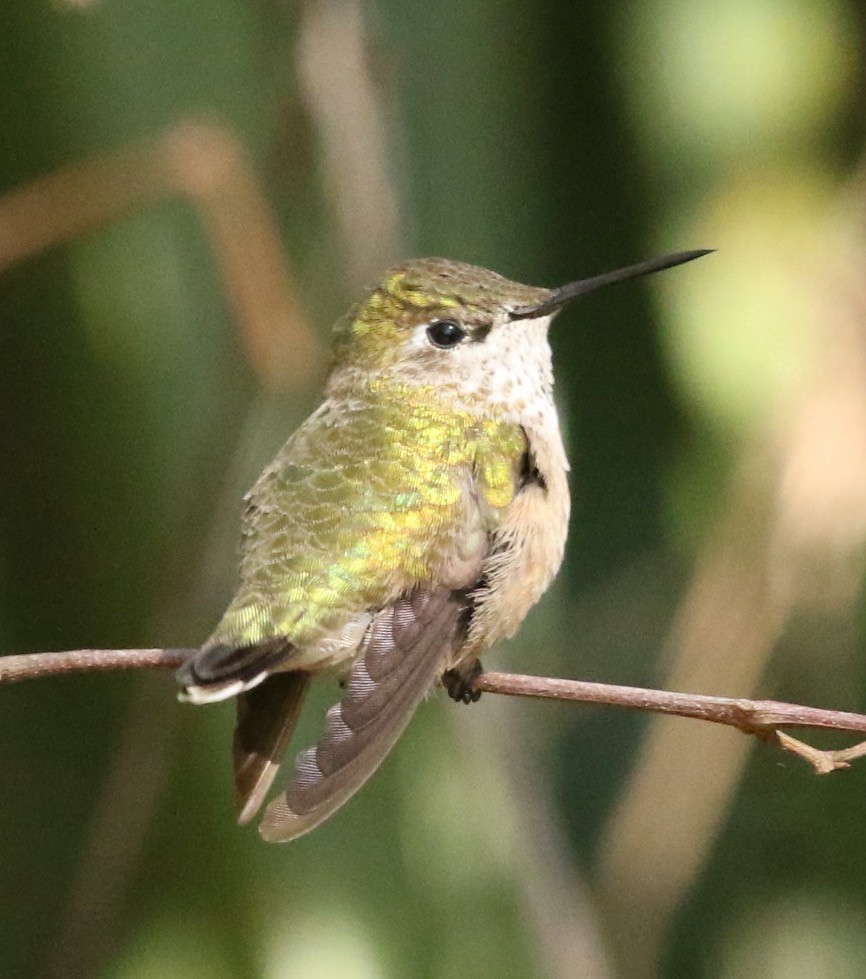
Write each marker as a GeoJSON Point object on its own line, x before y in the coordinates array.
{"type": "Point", "coordinates": [460, 682]}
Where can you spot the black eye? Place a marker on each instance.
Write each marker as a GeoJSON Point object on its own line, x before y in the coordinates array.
{"type": "Point", "coordinates": [445, 333]}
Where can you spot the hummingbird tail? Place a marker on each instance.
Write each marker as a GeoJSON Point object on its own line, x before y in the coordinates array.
{"type": "Point", "coordinates": [266, 717]}
{"type": "Point", "coordinates": [221, 671]}
{"type": "Point", "coordinates": [409, 641]}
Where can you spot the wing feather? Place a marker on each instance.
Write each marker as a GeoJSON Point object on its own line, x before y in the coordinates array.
{"type": "Point", "coordinates": [407, 646]}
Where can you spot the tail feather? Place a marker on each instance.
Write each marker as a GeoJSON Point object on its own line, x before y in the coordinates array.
{"type": "Point", "coordinates": [221, 671]}
{"type": "Point", "coordinates": [266, 717]}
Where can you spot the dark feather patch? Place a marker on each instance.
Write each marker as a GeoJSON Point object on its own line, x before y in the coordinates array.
{"type": "Point", "coordinates": [218, 664]}
{"type": "Point", "coordinates": [529, 473]}
{"type": "Point", "coordinates": [478, 334]}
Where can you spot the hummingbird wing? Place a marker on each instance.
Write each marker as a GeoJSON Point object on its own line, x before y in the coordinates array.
{"type": "Point", "coordinates": [408, 643]}
{"type": "Point", "coordinates": [266, 717]}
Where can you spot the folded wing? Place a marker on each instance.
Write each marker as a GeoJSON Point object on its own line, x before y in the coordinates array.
{"type": "Point", "coordinates": [409, 642]}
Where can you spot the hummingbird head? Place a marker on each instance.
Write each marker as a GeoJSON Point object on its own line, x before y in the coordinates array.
{"type": "Point", "coordinates": [461, 330]}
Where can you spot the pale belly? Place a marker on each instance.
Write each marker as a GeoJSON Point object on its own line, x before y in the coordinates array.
{"type": "Point", "coordinates": [531, 547]}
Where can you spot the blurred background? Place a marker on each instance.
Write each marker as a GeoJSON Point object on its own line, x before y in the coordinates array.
{"type": "Point", "coordinates": [190, 194]}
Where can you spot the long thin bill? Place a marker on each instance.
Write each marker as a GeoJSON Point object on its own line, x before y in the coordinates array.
{"type": "Point", "coordinates": [580, 288]}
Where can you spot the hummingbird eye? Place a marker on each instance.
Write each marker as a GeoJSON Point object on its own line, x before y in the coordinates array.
{"type": "Point", "coordinates": [445, 334]}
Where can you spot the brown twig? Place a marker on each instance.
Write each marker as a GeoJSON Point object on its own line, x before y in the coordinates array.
{"type": "Point", "coordinates": [761, 718]}
{"type": "Point", "coordinates": [33, 666]}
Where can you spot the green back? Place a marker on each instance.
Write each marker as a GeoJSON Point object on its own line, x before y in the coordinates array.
{"type": "Point", "coordinates": [365, 501]}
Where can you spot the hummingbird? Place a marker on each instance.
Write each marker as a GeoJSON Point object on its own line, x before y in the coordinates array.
{"type": "Point", "coordinates": [407, 526]}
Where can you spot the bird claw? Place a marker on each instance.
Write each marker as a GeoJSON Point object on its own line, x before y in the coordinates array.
{"type": "Point", "coordinates": [460, 682]}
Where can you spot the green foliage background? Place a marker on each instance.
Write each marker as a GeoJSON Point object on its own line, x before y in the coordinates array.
{"type": "Point", "coordinates": [547, 141]}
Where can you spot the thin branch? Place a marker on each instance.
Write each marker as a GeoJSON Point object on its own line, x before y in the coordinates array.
{"type": "Point", "coordinates": [751, 716]}
{"type": "Point", "coordinates": [762, 718]}
{"type": "Point", "coordinates": [34, 666]}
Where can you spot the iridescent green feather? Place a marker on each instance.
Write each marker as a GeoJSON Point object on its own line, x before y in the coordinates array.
{"type": "Point", "coordinates": [364, 502]}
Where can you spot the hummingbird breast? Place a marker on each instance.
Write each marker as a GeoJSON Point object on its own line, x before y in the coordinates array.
{"type": "Point", "coordinates": [527, 548]}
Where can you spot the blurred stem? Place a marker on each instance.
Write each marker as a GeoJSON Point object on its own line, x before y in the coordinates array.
{"type": "Point", "coordinates": [202, 161]}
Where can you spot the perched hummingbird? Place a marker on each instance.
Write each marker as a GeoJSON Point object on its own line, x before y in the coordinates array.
{"type": "Point", "coordinates": [408, 525]}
